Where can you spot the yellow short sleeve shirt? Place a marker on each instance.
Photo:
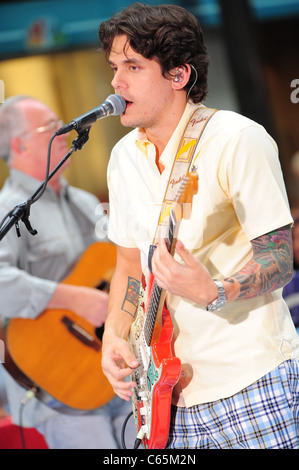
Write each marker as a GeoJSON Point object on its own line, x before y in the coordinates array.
{"type": "Point", "coordinates": [241, 195]}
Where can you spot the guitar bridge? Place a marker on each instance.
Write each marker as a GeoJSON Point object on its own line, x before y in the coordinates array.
{"type": "Point", "coordinates": [80, 333]}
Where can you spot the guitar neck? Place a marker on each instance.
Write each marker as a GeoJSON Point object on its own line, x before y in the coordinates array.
{"type": "Point", "coordinates": [158, 294]}
{"type": "Point", "coordinates": [155, 307]}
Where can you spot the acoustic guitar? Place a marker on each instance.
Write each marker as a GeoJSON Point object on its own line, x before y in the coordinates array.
{"type": "Point", "coordinates": [59, 353]}
{"type": "Point", "coordinates": [151, 337]}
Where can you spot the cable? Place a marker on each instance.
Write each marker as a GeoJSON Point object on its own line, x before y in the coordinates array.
{"type": "Point", "coordinates": [27, 397]}
{"type": "Point", "coordinates": [42, 189]}
{"type": "Point", "coordinates": [137, 443]}
{"type": "Point", "coordinates": [138, 438]}
{"type": "Point", "coordinates": [123, 430]}
{"type": "Point", "coordinates": [196, 77]}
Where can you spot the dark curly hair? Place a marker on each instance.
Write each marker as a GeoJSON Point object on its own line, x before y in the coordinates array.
{"type": "Point", "coordinates": [166, 32]}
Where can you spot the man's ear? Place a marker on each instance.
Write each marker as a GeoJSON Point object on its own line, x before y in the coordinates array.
{"type": "Point", "coordinates": [16, 145]}
{"type": "Point", "coordinates": [180, 76]}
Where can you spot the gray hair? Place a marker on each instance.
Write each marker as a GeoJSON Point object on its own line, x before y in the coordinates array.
{"type": "Point", "coordinates": [12, 123]}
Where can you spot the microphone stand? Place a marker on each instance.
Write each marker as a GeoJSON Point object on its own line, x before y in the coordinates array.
{"type": "Point", "coordinates": [22, 210]}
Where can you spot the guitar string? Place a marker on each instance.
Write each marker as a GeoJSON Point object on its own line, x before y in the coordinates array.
{"type": "Point", "coordinates": [156, 296]}
{"type": "Point", "coordinates": [151, 315]}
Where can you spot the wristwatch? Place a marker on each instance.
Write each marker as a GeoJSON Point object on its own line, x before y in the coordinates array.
{"type": "Point", "coordinates": [220, 301]}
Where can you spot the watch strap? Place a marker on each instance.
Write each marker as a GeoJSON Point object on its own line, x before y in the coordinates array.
{"type": "Point", "coordinates": [218, 303]}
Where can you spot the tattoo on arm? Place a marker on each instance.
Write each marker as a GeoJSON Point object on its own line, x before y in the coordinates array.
{"type": "Point", "coordinates": [130, 303]}
{"type": "Point", "coordinates": [271, 266]}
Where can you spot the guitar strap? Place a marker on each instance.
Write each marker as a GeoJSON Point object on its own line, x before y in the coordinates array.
{"type": "Point", "coordinates": [181, 165]}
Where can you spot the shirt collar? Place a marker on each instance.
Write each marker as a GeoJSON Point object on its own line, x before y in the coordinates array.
{"type": "Point", "coordinates": [167, 156]}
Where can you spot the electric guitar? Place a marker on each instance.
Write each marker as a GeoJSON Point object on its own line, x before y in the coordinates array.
{"type": "Point", "coordinates": [58, 354]}
{"type": "Point", "coordinates": [150, 339]}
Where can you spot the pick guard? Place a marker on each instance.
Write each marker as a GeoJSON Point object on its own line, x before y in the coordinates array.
{"type": "Point", "coordinates": [155, 377]}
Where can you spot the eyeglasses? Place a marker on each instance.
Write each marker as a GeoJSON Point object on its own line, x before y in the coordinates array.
{"type": "Point", "coordinates": [52, 126]}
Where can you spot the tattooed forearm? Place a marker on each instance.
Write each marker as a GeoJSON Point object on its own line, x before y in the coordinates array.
{"type": "Point", "coordinates": [271, 266]}
{"type": "Point", "coordinates": [130, 303]}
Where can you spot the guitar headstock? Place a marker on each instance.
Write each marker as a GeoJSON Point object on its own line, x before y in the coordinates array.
{"type": "Point", "coordinates": [183, 206]}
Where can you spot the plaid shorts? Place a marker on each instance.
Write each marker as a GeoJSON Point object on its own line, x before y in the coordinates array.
{"type": "Point", "coordinates": [264, 415]}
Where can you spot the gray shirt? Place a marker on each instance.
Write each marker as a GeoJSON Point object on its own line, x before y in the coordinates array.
{"type": "Point", "coordinates": [31, 266]}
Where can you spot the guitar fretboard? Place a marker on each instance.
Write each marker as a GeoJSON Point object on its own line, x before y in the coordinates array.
{"type": "Point", "coordinates": [152, 313]}
{"type": "Point", "coordinates": [153, 309]}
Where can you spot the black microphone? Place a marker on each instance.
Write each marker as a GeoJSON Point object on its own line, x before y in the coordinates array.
{"type": "Point", "coordinates": [113, 106]}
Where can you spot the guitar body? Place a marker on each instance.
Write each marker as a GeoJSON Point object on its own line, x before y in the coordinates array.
{"type": "Point", "coordinates": [59, 351]}
{"type": "Point", "coordinates": [156, 376]}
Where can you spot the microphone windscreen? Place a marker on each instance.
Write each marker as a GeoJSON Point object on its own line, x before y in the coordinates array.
{"type": "Point", "coordinates": [118, 103]}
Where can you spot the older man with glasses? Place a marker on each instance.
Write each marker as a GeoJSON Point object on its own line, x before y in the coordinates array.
{"type": "Point", "coordinates": [32, 267]}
